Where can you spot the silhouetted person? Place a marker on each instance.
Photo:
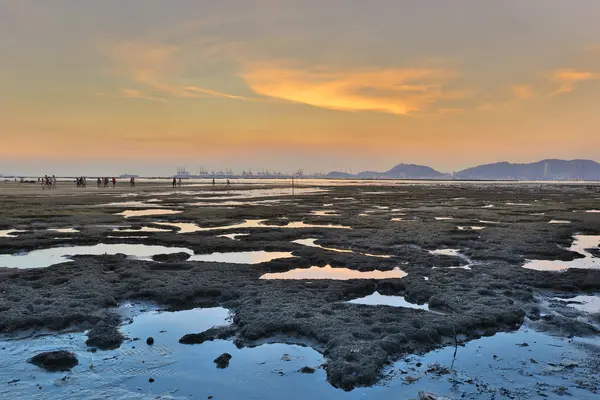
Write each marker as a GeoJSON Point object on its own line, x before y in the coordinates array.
{"type": "Point", "coordinates": [179, 182]}
{"type": "Point", "coordinates": [114, 181]}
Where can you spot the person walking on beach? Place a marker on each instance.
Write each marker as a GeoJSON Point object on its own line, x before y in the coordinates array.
{"type": "Point", "coordinates": [179, 182]}
{"type": "Point", "coordinates": [114, 181]}
{"type": "Point", "coordinates": [99, 181]}
{"type": "Point", "coordinates": [228, 183]}
{"type": "Point", "coordinates": [174, 181]}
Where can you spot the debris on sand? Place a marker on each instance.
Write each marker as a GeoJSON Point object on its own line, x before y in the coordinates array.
{"type": "Point", "coordinates": [223, 360]}
{"type": "Point", "coordinates": [55, 361]}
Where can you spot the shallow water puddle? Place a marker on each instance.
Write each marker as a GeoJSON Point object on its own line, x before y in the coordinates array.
{"type": "Point", "coordinates": [302, 224]}
{"type": "Point", "coordinates": [142, 229]}
{"type": "Point", "coordinates": [329, 272]}
{"type": "Point", "coordinates": [242, 257]}
{"type": "Point", "coordinates": [518, 204]}
{"type": "Point", "coordinates": [483, 221]}
{"type": "Point", "coordinates": [178, 371]}
{"type": "Point", "coordinates": [321, 213]}
{"type": "Point", "coordinates": [131, 204]}
{"type": "Point", "coordinates": [401, 219]}
{"type": "Point", "coordinates": [519, 365]}
{"type": "Point", "coordinates": [579, 245]}
{"type": "Point", "coordinates": [311, 243]}
{"type": "Point", "coordinates": [473, 228]}
{"type": "Point", "coordinates": [232, 203]}
{"type": "Point", "coordinates": [483, 368]}
{"type": "Point", "coordinates": [452, 253]}
{"type": "Point", "coordinates": [559, 221]}
{"type": "Point", "coordinates": [149, 212]}
{"type": "Point", "coordinates": [9, 232]}
{"type": "Point", "coordinates": [443, 218]}
{"type": "Point", "coordinates": [377, 299]}
{"type": "Point", "coordinates": [592, 211]}
{"type": "Point", "coordinates": [47, 257]}
{"type": "Point", "coordinates": [183, 227]}
{"type": "Point", "coordinates": [64, 230]}
{"type": "Point", "coordinates": [589, 304]}
{"type": "Point", "coordinates": [234, 236]}
{"type": "Point", "coordinates": [488, 206]}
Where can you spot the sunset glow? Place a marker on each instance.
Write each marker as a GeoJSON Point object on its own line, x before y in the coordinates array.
{"type": "Point", "coordinates": [144, 85]}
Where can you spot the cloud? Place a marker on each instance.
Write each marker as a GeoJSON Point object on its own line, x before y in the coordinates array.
{"type": "Point", "coordinates": [137, 94]}
{"type": "Point", "coordinates": [568, 78]}
{"type": "Point", "coordinates": [399, 91]}
{"type": "Point", "coordinates": [523, 92]}
{"type": "Point", "coordinates": [155, 67]}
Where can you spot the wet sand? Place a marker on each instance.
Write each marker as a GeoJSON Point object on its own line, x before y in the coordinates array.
{"type": "Point", "coordinates": [357, 341]}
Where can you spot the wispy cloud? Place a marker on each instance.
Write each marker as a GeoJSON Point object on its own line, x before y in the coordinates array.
{"type": "Point", "coordinates": [156, 68]}
{"type": "Point", "coordinates": [566, 79]}
{"type": "Point", "coordinates": [137, 94]}
{"type": "Point", "coordinates": [399, 91]}
{"type": "Point", "coordinates": [523, 92]}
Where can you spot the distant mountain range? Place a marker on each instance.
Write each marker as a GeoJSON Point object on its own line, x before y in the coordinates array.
{"type": "Point", "coordinates": [550, 169]}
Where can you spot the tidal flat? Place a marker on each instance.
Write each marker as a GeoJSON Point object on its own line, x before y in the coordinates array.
{"type": "Point", "coordinates": [473, 293]}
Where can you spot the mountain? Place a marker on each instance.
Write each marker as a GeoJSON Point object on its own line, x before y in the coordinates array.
{"type": "Point", "coordinates": [550, 169]}
{"type": "Point", "coordinates": [400, 171]}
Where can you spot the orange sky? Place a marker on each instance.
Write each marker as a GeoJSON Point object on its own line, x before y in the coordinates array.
{"type": "Point", "coordinates": [142, 86]}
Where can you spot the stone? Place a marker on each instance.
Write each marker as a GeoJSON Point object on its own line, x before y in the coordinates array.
{"type": "Point", "coordinates": [59, 360]}
{"type": "Point", "coordinates": [105, 336]}
{"type": "Point", "coordinates": [223, 360]}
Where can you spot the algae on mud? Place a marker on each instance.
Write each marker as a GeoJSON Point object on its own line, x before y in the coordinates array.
{"type": "Point", "coordinates": [357, 341]}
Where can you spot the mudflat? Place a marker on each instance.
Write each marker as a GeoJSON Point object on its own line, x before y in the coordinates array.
{"type": "Point", "coordinates": [462, 247]}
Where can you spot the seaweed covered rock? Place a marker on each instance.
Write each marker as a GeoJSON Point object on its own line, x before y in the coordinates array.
{"type": "Point", "coordinates": [105, 335]}
{"type": "Point", "coordinates": [222, 332]}
{"type": "Point", "coordinates": [223, 360]}
{"type": "Point", "coordinates": [59, 360]}
{"type": "Point", "coordinates": [174, 257]}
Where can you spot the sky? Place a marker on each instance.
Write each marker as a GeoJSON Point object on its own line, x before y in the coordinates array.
{"type": "Point", "coordinates": [143, 86]}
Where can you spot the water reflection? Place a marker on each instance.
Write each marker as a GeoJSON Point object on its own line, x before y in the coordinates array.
{"type": "Point", "coordinates": [47, 257]}
{"type": "Point", "coordinates": [142, 229]}
{"type": "Point", "coordinates": [311, 243]}
{"type": "Point", "coordinates": [559, 221]}
{"type": "Point", "coordinates": [377, 299]}
{"type": "Point", "coordinates": [143, 213]}
{"type": "Point", "coordinates": [589, 304]}
{"type": "Point", "coordinates": [234, 236]}
{"type": "Point", "coordinates": [473, 228]}
{"type": "Point", "coordinates": [242, 257]}
{"type": "Point", "coordinates": [580, 245]}
{"type": "Point", "coordinates": [329, 272]}
{"type": "Point", "coordinates": [64, 230]}
{"type": "Point", "coordinates": [9, 232]}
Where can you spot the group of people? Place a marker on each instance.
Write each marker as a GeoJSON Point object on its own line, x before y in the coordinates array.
{"type": "Point", "coordinates": [176, 182]}
{"type": "Point", "coordinates": [48, 182]}
{"type": "Point", "coordinates": [104, 182]}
